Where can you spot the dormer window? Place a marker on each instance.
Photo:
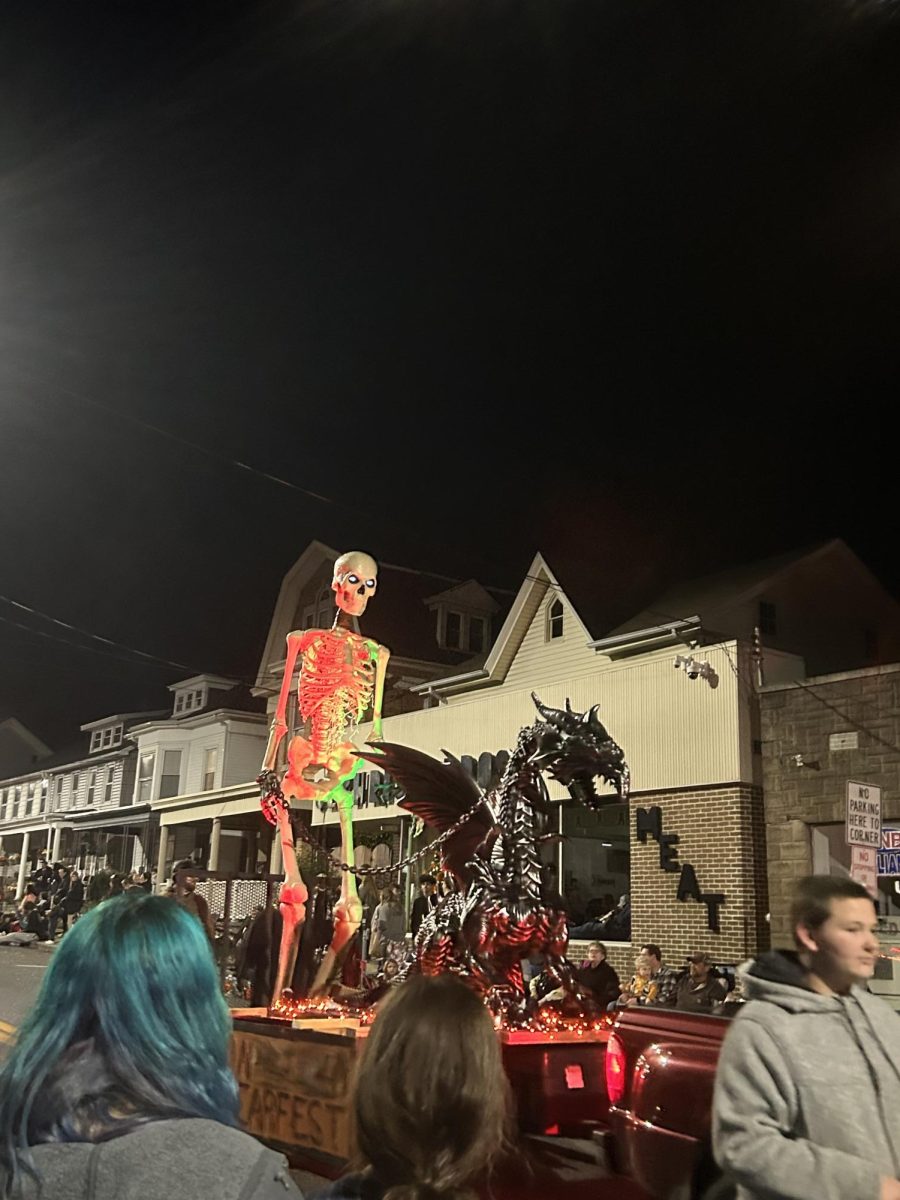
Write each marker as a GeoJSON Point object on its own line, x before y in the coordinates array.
{"type": "Point", "coordinates": [189, 701]}
{"type": "Point", "coordinates": [555, 620]}
{"type": "Point", "coordinates": [462, 631]}
{"type": "Point", "coordinates": [106, 739]}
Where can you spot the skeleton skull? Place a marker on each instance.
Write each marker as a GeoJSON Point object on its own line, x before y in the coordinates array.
{"type": "Point", "coordinates": [354, 583]}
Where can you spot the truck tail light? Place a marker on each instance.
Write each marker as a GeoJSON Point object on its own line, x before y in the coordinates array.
{"type": "Point", "coordinates": [615, 1069]}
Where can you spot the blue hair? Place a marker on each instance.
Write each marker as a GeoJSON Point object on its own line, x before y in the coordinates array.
{"type": "Point", "coordinates": [130, 1018]}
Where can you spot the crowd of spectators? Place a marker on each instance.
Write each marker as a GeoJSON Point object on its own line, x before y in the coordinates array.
{"type": "Point", "coordinates": [56, 894]}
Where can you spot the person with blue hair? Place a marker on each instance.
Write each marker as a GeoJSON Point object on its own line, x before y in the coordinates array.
{"type": "Point", "coordinates": [118, 1086]}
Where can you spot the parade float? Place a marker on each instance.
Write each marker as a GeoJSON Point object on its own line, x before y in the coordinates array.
{"type": "Point", "coordinates": [295, 1060]}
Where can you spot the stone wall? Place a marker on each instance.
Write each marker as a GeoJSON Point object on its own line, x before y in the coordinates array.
{"type": "Point", "coordinates": [799, 719]}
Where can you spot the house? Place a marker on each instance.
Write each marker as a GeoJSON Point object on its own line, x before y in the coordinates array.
{"type": "Point", "coordinates": [196, 769]}
{"type": "Point", "coordinates": [80, 806]}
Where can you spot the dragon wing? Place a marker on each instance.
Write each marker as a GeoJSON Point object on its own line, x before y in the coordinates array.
{"type": "Point", "coordinates": [438, 793]}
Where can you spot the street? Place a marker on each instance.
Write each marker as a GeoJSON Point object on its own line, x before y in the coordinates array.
{"type": "Point", "coordinates": [21, 972]}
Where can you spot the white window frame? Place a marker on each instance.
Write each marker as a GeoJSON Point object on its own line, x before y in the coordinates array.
{"type": "Point", "coordinates": [466, 621]}
{"type": "Point", "coordinates": [109, 783]}
{"type": "Point", "coordinates": [179, 750]}
{"type": "Point", "coordinates": [552, 617]}
{"type": "Point", "coordinates": [139, 778]}
{"type": "Point", "coordinates": [75, 788]}
{"type": "Point", "coordinates": [91, 796]}
{"type": "Point", "coordinates": [207, 751]}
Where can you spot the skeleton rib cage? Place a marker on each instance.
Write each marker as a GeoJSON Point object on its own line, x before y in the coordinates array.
{"type": "Point", "coordinates": [337, 681]}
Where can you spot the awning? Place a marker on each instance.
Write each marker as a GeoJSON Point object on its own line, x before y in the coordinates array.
{"type": "Point", "coordinates": [111, 820]}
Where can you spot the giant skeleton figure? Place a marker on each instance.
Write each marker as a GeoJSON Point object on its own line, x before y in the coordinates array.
{"type": "Point", "coordinates": [491, 843]}
{"type": "Point", "coordinates": [341, 675]}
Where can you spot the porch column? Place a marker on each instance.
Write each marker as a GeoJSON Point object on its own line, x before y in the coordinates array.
{"type": "Point", "coordinates": [276, 862]}
{"type": "Point", "coordinates": [23, 863]}
{"type": "Point", "coordinates": [212, 863]}
{"type": "Point", "coordinates": [56, 843]}
{"type": "Point", "coordinates": [161, 855]}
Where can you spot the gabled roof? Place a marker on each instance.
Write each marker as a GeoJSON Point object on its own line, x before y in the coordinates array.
{"type": "Point", "coordinates": [538, 582]}
{"type": "Point", "coordinates": [722, 590]}
{"type": "Point", "coordinates": [398, 617]}
{"type": "Point", "coordinates": [15, 727]}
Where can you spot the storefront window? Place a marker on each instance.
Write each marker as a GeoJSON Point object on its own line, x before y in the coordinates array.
{"type": "Point", "coordinates": [595, 861]}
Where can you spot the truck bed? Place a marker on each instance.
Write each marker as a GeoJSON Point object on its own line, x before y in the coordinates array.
{"type": "Point", "coordinates": [661, 1067]}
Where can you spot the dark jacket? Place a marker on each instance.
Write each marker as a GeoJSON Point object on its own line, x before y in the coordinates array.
{"type": "Point", "coordinates": [190, 1158]}
{"type": "Point", "coordinates": [601, 980]}
{"type": "Point", "coordinates": [422, 905]}
{"type": "Point", "coordinates": [73, 900]}
{"type": "Point", "coordinates": [692, 997]}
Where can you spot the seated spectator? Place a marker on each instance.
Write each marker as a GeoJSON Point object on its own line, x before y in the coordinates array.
{"type": "Point", "coordinates": [532, 966]}
{"type": "Point", "coordinates": [615, 926]}
{"type": "Point", "coordinates": [664, 977]}
{"type": "Point", "coordinates": [70, 905]}
{"type": "Point", "coordinates": [119, 1084]}
{"type": "Point", "coordinates": [32, 920]}
{"type": "Point", "coordinates": [432, 1101]}
{"type": "Point", "coordinates": [598, 977]}
{"type": "Point", "coordinates": [641, 989]}
{"type": "Point", "coordinates": [699, 989]}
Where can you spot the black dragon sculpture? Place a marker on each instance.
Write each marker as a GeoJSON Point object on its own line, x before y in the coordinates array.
{"type": "Point", "coordinates": [491, 845]}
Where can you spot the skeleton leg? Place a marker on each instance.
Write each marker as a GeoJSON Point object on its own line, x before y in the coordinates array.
{"type": "Point", "coordinates": [292, 904]}
{"type": "Point", "coordinates": [348, 910]}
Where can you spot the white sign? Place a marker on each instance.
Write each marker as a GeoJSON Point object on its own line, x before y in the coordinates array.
{"type": "Point", "coordinates": [864, 867]}
{"type": "Point", "coordinates": [863, 815]}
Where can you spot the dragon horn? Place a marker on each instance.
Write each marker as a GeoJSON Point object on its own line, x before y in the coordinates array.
{"type": "Point", "coordinates": [591, 718]}
{"type": "Point", "coordinates": [554, 715]}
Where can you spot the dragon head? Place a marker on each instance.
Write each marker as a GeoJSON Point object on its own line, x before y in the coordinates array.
{"type": "Point", "coordinates": [575, 749]}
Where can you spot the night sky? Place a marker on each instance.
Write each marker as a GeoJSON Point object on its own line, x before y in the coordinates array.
{"type": "Point", "coordinates": [616, 281]}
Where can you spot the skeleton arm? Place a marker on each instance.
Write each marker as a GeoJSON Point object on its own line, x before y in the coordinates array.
{"type": "Point", "coordinates": [296, 644]}
{"type": "Point", "coordinates": [381, 654]}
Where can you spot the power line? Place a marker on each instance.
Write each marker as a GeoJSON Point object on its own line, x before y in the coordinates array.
{"type": "Point", "coordinates": [154, 658]}
{"type": "Point", "coordinates": [216, 455]}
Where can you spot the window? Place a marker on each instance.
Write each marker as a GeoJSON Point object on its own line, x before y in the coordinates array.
{"type": "Point", "coordinates": [105, 739]}
{"type": "Point", "coordinates": [75, 785]}
{"type": "Point", "coordinates": [319, 613]}
{"type": "Point", "coordinates": [58, 790]}
{"type": "Point", "coordinates": [767, 617]}
{"type": "Point", "coordinates": [186, 702]}
{"type": "Point", "coordinates": [145, 777]}
{"type": "Point", "coordinates": [108, 785]}
{"type": "Point", "coordinates": [210, 762]}
{"type": "Point", "coordinates": [42, 795]}
{"type": "Point", "coordinates": [476, 634]}
{"type": "Point", "coordinates": [554, 620]}
{"type": "Point", "coordinates": [453, 630]}
{"type": "Point", "coordinates": [171, 774]}
{"type": "Point", "coordinates": [91, 788]}
{"type": "Point", "coordinates": [179, 702]}
{"type": "Point", "coordinates": [29, 800]}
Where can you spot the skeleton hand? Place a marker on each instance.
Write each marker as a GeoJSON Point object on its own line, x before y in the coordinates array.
{"type": "Point", "coordinates": [271, 797]}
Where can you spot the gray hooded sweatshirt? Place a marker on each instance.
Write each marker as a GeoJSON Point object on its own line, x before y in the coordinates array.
{"type": "Point", "coordinates": [807, 1094]}
{"type": "Point", "coordinates": [162, 1160]}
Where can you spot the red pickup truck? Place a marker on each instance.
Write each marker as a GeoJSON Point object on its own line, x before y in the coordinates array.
{"type": "Point", "coordinates": [660, 1069]}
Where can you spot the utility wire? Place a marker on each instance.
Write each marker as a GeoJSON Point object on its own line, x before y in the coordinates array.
{"type": "Point", "coordinates": [216, 455]}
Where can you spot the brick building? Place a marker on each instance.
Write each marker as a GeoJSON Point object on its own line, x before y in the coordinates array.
{"type": "Point", "coordinates": [818, 734]}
